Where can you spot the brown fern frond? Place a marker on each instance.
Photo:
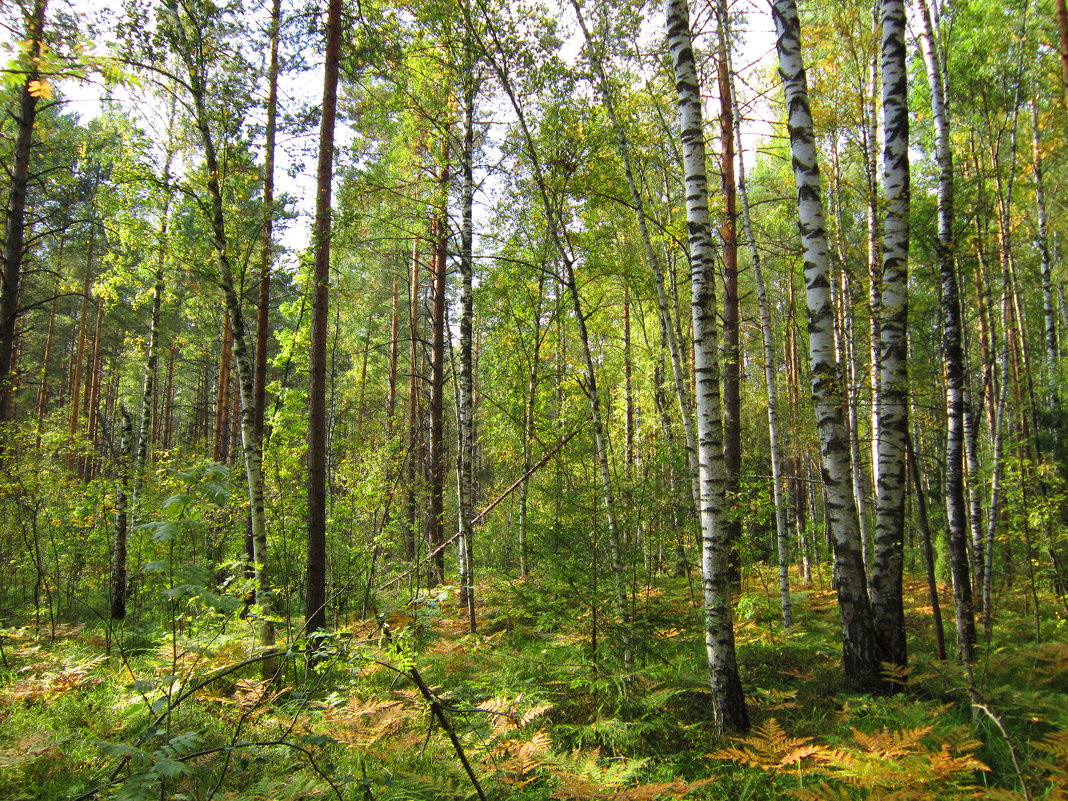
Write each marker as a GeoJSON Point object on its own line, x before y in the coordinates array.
{"type": "Point", "coordinates": [534, 712]}
{"type": "Point", "coordinates": [888, 744]}
{"type": "Point", "coordinates": [823, 791]}
{"type": "Point", "coordinates": [769, 748]}
{"type": "Point", "coordinates": [896, 674]}
{"type": "Point", "coordinates": [1055, 744]}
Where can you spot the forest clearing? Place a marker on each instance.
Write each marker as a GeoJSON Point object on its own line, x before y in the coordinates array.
{"type": "Point", "coordinates": [432, 399]}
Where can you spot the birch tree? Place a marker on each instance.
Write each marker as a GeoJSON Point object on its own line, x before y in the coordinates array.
{"type": "Point", "coordinates": [952, 343]}
{"type": "Point", "coordinates": [860, 655]}
{"type": "Point", "coordinates": [728, 700]}
{"type": "Point", "coordinates": [186, 32]}
{"type": "Point", "coordinates": [886, 587]}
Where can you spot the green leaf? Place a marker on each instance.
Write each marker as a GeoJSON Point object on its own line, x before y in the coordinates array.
{"type": "Point", "coordinates": [162, 530]}
{"type": "Point", "coordinates": [170, 768]}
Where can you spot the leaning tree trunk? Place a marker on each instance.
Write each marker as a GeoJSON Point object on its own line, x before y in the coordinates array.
{"type": "Point", "coordinates": [728, 700]}
{"type": "Point", "coordinates": [952, 347]}
{"type": "Point", "coordinates": [667, 317]}
{"type": "Point", "coordinates": [315, 609]}
{"type": "Point", "coordinates": [559, 236]}
{"type": "Point", "coordinates": [217, 219]}
{"type": "Point", "coordinates": [860, 654]}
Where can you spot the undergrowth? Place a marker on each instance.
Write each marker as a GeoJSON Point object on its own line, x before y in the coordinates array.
{"type": "Point", "coordinates": [539, 712]}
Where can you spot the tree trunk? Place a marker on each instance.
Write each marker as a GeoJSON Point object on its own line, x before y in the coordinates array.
{"type": "Point", "coordinates": [928, 553]}
{"type": "Point", "coordinates": [92, 395]}
{"type": "Point", "coordinates": [1062, 30]}
{"type": "Point", "coordinates": [1047, 261]}
{"type": "Point", "coordinates": [263, 306]}
{"type": "Point", "coordinates": [728, 700]}
{"type": "Point", "coordinates": [217, 219]}
{"type": "Point", "coordinates": [559, 236]}
{"type": "Point", "coordinates": [886, 575]}
{"type": "Point", "coordinates": [46, 362]}
{"type": "Point", "coordinates": [222, 392]}
{"type": "Point", "coordinates": [668, 311]}
{"type": "Point", "coordinates": [413, 405]}
{"type": "Point", "coordinates": [860, 654]}
{"type": "Point", "coordinates": [782, 531]}
{"type": "Point", "coordinates": [732, 401]}
{"type": "Point", "coordinates": [79, 353]}
{"type": "Point", "coordinates": [315, 610]}
{"type": "Point", "coordinates": [435, 468]}
{"type": "Point", "coordinates": [952, 347]}
{"type": "Point", "coordinates": [152, 355]}
{"type": "Point", "coordinates": [466, 476]}
{"type": "Point", "coordinates": [15, 227]}
{"type": "Point", "coordinates": [119, 530]}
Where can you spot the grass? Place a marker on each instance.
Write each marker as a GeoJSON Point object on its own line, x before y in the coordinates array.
{"type": "Point", "coordinates": [542, 712]}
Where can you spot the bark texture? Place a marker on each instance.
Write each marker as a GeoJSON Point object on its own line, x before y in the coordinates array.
{"type": "Point", "coordinates": [887, 563]}
{"type": "Point", "coordinates": [727, 697]}
{"type": "Point", "coordinates": [957, 524]}
{"type": "Point", "coordinates": [860, 656]}
{"type": "Point", "coordinates": [315, 604]}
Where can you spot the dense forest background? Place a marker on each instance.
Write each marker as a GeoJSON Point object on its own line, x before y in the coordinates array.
{"type": "Point", "coordinates": [459, 398]}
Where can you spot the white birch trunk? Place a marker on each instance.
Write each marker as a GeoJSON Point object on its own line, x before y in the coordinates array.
{"type": "Point", "coordinates": [886, 575]}
{"type": "Point", "coordinates": [860, 658]}
{"type": "Point", "coordinates": [466, 393]}
{"type": "Point", "coordinates": [728, 698]}
{"type": "Point", "coordinates": [952, 345]}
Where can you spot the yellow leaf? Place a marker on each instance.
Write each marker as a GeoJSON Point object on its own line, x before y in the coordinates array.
{"type": "Point", "coordinates": [40, 88]}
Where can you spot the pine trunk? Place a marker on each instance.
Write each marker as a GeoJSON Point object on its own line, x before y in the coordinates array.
{"type": "Point", "coordinates": [15, 223]}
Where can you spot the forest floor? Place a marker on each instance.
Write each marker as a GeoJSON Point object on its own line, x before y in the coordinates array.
{"type": "Point", "coordinates": [538, 703]}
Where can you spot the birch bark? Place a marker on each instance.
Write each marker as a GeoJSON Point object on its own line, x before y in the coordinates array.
{"type": "Point", "coordinates": [727, 696]}
{"type": "Point", "coordinates": [952, 345]}
{"type": "Point", "coordinates": [467, 312]}
{"type": "Point", "coordinates": [220, 241]}
{"type": "Point", "coordinates": [886, 574]}
{"type": "Point", "coordinates": [860, 657]}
